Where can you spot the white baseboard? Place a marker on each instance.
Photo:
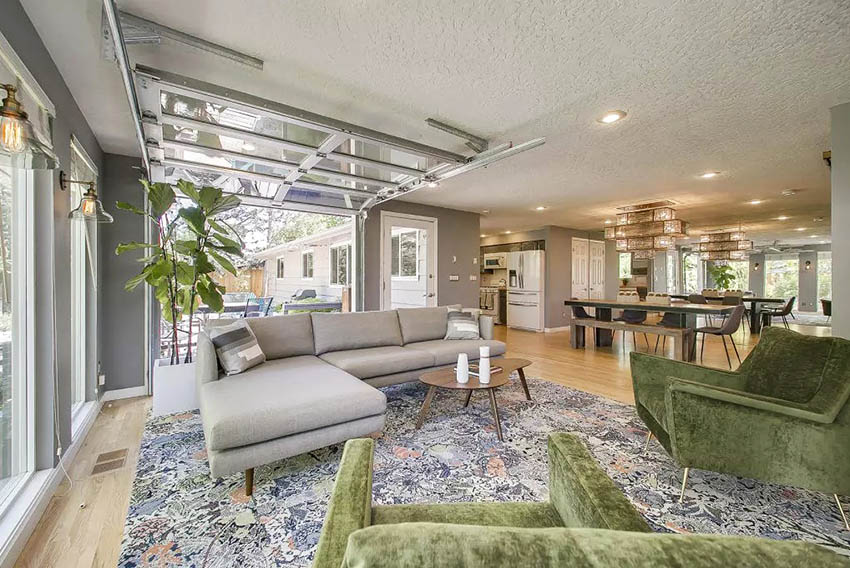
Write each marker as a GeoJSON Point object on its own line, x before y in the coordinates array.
{"type": "Point", "coordinates": [24, 513]}
{"type": "Point", "coordinates": [124, 393]}
{"type": "Point", "coordinates": [551, 329]}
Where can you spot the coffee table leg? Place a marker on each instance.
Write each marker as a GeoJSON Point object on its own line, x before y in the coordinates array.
{"type": "Point", "coordinates": [495, 410]}
{"type": "Point", "coordinates": [425, 406]}
{"type": "Point", "coordinates": [524, 384]}
{"type": "Point", "coordinates": [468, 396]}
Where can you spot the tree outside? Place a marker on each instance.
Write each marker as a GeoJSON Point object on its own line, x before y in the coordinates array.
{"type": "Point", "coordinates": [782, 277]}
{"type": "Point", "coordinates": [824, 276]}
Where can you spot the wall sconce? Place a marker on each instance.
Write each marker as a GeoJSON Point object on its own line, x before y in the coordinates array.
{"type": "Point", "coordinates": [90, 208]}
{"type": "Point", "coordinates": [756, 266]}
{"type": "Point", "coordinates": [808, 265]}
{"type": "Point", "coordinates": [18, 138]}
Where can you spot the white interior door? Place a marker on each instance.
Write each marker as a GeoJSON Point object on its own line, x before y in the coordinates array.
{"type": "Point", "coordinates": [408, 261]}
{"type": "Point", "coordinates": [580, 276]}
{"type": "Point", "coordinates": [597, 270]}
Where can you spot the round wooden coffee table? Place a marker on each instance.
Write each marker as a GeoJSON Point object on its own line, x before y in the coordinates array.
{"type": "Point", "coordinates": [445, 379]}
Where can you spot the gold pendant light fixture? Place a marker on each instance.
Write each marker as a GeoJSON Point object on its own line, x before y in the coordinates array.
{"type": "Point", "coordinates": [17, 137]}
{"type": "Point", "coordinates": [647, 229]}
{"type": "Point", "coordinates": [727, 245]}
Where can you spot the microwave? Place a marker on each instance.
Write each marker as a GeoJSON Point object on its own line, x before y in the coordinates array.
{"type": "Point", "coordinates": [495, 260]}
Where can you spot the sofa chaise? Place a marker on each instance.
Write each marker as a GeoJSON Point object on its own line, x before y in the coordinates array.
{"type": "Point", "coordinates": [318, 384]}
{"type": "Point", "coordinates": [586, 523]}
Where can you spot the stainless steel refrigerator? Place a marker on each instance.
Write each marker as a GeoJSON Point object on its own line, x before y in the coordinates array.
{"type": "Point", "coordinates": [526, 276]}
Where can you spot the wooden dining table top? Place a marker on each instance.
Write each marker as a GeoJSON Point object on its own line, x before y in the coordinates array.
{"type": "Point", "coordinates": [751, 299]}
{"type": "Point", "coordinates": [676, 308]}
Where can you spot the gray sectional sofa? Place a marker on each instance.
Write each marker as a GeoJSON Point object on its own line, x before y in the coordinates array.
{"type": "Point", "coordinates": [318, 384]}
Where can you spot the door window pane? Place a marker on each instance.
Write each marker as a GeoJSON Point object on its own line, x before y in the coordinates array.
{"type": "Point", "coordinates": [782, 277]}
{"type": "Point", "coordinates": [405, 253]}
{"type": "Point", "coordinates": [14, 193]}
{"type": "Point", "coordinates": [741, 270]}
{"type": "Point", "coordinates": [339, 264]}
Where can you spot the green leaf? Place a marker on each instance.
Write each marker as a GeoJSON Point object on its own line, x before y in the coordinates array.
{"type": "Point", "coordinates": [211, 296]}
{"type": "Point", "coordinates": [224, 203]}
{"type": "Point", "coordinates": [235, 251]}
{"type": "Point", "coordinates": [188, 189]}
{"type": "Point", "coordinates": [160, 196]}
{"type": "Point", "coordinates": [224, 262]}
{"type": "Point", "coordinates": [130, 207]}
{"type": "Point", "coordinates": [218, 226]}
{"type": "Point", "coordinates": [133, 282]}
{"type": "Point", "coordinates": [133, 245]}
{"type": "Point", "coordinates": [225, 240]}
{"type": "Point", "coordinates": [195, 219]}
{"type": "Point", "coordinates": [185, 273]}
{"type": "Point", "coordinates": [203, 264]}
{"type": "Point", "coordinates": [208, 197]}
{"type": "Point", "coordinates": [187, 247]}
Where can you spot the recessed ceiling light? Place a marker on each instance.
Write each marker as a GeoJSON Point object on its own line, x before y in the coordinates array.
{"type": "Point", "coordinates": [433, 184]}
{"type": "Point", "coordinates": [507, 232]}
{"type": "Point", "coordinates": [612, 116]}
{"type": "Point", "coordinates": [248, 147]}
{"type": "Point", "coordinates": [485, 211]}
{"type": "Point", "coordinates": [790, 192]}
{"type": "Point", "coordinates": [482, 236]}
{"type": "Point", "coordinates": [709, 175]}
{"type": "Point", "coordinates": [800, 229]}
{"type": "Point", "coordinates": [540, 208]}
{"type": "Point", "coordinates": [755, 202]}
{"type": "Point", "coordinates": [783, 218]}
{"type": "Point", "coordinates": [813, 236]}
{"type": "Point", "coordinates": [608, 221]}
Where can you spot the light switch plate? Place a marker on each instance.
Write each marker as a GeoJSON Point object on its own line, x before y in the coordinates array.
{"type": "Point", "coordinates": [473, 277]}
{"type": "Point", "coordinates": [454, 277]}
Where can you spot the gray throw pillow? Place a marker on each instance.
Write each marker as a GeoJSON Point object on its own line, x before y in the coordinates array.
{"type": "Point", "coordinates": [236, 347]}
{"type": "Point", "coordinates": [462, 325]}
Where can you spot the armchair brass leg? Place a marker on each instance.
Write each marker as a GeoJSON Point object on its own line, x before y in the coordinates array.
{"type": "Point", "coordinates": [841, 510]}
{"type": "Point", "coordinates": [648, 438]}
{"type": "Point", "coordinates": [249, 482]}
{"type": "Point", "coordinates": [684, 483]}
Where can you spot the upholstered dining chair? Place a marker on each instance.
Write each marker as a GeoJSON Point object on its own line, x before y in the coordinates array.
{"type": "Point", "coordinates": [631, 316]}
{"type": "Point", "coordinates": [579, 313]}
{"type": "Point", "coordinates": [782, 312]}
{"type": "Point", "coordinates": [782, 417]}
{"type": "Point", "coordinates": [826, 305]}
{"type": "Point", "coordinates": [726, 329]}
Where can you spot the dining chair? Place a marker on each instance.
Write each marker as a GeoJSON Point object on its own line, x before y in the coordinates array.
{"type": "Point", "coordinates": [782, 312]}
{"type": "Point", "coordinates": [667, 319]}
{"type": "Point", "coordinates": [579, 313]}
{"type": "Point", "coordinates": [826, 305]}
{"type": "Point", "coordinates": [631, 316]}
{"type": "Point", "coordinates": [735, 300]}
{"type": "Point", "coordinates": [729, 327]}
{"type": "Point", "coordinates": [700, 299]}
{"type": "Point", "coordinates": [257, 307]}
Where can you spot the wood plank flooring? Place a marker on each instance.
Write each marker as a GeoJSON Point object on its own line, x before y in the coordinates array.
{"type": "Point", "coordinates": [70, 536]}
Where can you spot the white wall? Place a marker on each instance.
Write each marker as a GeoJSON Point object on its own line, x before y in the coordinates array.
{"type": "Point", "coordinates": [283, 288]}
{"type": "Point", "coordinates": [840, 210]}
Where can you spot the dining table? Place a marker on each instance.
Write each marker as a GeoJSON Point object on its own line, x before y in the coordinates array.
{"type": "Point", "coordinates": [755, 311]}
{"type": "Point", "coordinates": [687, 318]}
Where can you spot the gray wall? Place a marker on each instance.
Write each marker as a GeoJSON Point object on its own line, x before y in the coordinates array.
{"type": "Point", "coordinates": [757, 275]}
{"type": "Point", "coordinates": [52, 232]}
{"type": "Point", "coordinates": [123, 315]}
{"type": "Point", "coordinates": [457, 236]}
{"type": "Point", "coordinates": [612, 270]}
{"type": "Point", "coordinates": [807, 300]}
{"type": "Point", "coordinates": [840, 210]}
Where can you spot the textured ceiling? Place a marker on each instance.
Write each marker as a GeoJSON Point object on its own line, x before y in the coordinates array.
{"type": "Point", "coordinates": [739, 87]}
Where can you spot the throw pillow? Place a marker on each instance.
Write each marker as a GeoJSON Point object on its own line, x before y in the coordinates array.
{"type": "Point", "coordinates": [236, 347]}
{"type": "Point", "coordinates": [462, 325]}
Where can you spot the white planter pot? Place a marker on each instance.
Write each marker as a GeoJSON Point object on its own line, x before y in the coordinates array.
{"type": "Point", "coordinates": [173, 388]}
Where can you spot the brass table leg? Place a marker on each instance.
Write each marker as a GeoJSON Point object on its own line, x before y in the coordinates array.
{"type": "Point", "coordinates": [249, 482]}
{"type": "Point", "coordinates": [495, 410]}
{"type": "Point", "coordinates": [425, 406]}
{"type": "Point", "coordinates": [468, 396]}
{"type": "Point", "coordinates": [521, 373]}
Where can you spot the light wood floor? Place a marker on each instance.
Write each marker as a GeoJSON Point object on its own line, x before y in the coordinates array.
{"type": "Point", "coordinates": [70, 536]}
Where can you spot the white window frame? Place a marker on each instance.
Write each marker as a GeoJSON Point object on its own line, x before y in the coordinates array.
{"type": "Point", "coordinates": [409, 278]}
{"type": "Point", "coordinates": [332, 272]}
{"type": "Point", "coordinates": [280, 268]}
{"type": "Point", "coordinates": [312, 264]}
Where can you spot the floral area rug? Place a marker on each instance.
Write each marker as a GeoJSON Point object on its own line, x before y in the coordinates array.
{"type": "Point", "coordinates": [179, 516]}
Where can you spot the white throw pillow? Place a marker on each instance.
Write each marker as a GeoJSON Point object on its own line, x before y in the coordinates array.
{"type": "Point", "coordinates": [236, 347]}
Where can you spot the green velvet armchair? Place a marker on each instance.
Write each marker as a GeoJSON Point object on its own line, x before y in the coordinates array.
{"type": "Point", "coordinates": [587, 523]}
{"type": "Point", "coordinates": [782, 417]}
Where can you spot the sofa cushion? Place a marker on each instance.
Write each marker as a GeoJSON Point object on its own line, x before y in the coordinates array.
{"type": "Point", "coordinates": [422, 324]}
{"type": "Point", "coordinates": [236, 347]}
{"type": "Point", "coordinates": [377, 361]}
{"type": "Point", "coordinates": [454, 545]}
{"type": "Point", "coordinates": [283, 397]}
{"type": "Point", "coordinates": [446, 351]}
{"type": "Point", "coordinates": [283, 336]}
{"type": "Point", "coordinates": [461, 325]}
{"type": "Point", "coordinates": [356, 330]}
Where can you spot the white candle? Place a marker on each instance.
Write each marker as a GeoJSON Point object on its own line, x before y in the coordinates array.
{"type": "Point", "coordinates": [462, 371]}
{"type": "Point", "coordinates": [484, 364]}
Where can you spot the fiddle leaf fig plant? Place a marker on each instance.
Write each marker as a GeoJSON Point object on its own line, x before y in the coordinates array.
{"type": "Point", "coordinates": [192, 245]}
{"type": "Point", "coordinates": [723, 275]}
